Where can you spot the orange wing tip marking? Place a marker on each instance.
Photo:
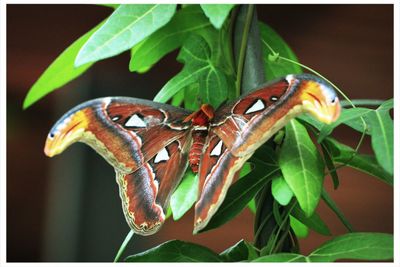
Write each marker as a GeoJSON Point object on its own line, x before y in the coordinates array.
{"type": "Point", "coordinates": [65, 133]}
{"type": "Point", "coordinates": [320, 101]}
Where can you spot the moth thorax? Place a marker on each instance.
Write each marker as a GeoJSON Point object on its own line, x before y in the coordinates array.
{"type": "Point", "coordinates": [199, 138]}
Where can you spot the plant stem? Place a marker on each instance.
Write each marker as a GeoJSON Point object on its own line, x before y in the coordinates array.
{"type": "Point", "coordinates": [362, 102]}
{"type": "Point", "coordinates": [286, 217]}
{"type": "Point", "coordinates": [242, 53]}
{"type": "Point", "coordinates": [332, 205]}
{"type": "Point", "coordinates": [123, 245]}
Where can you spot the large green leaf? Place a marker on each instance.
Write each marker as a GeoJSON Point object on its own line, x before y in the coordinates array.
{"type": "Point", "coordinates": [313, 222]}
{"type": "Point", "coordinates": [60, 72]}
{"type": "Point", "coordinates": [217, 13]}
{"type": "Point", "coordinates": [361, 246]}
{"type": "Point", "coordinates": [281, 191]}
{"type": "Point", "coordinates": [241, 251]}
{"type": "Point", "coordinates": [302, 166]}
{"type": "Point", "coordinates": [241, 192]}
{"type": "Point", "coordinates": [352, 246]}
{"type": "Point", "coordinates": [185, 195]}
{"type": "Point", "coordinates": [127, 26]}
{"type": "Point", "coordinates": [171, 36]}
{"type": "Point", "coordinates": [382, 135]}
{"type": "Point", "coordinates": [276, 68]}
{"type": "Point", "coordinates": [176, 251]}
{"type": "Point", "coordinates": [199, 68]}
{"type": "Point", "coordinates": [344, 154]}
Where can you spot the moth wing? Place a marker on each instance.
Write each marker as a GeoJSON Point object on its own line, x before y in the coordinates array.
{"type": "Point", "coordinates": [236, 131]}
{"type": "Point", "coordinates": [218, 168]}
{"type": "Point", "coordinates": [128, 132]}
{"type": "Point", "coordinates": [251, 120]}
{"type": "Point", "coordinates": [147, 144]}
{"type": "Point", "coordinates": [145, 192]}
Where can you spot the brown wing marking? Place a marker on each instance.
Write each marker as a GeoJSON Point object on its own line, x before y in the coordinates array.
{"type": "Point", "coordinates": [254, 118]}
{"type": "Point", "coordinates": [145, 193]}
{"type": "Point", "coordinates": [217, 171]}
{"type": "Point", "coordinates": [127, 132]}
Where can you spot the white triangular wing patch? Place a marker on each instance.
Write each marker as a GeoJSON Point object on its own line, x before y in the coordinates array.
{"type": "Point", "coordinates": [161, 156]}
{"type": "Point", "coordinates": [217, 149]}
{"type": "Point", "coordinates": [135, 121]}
{"type": "Point", "coordinates": [259, 105]}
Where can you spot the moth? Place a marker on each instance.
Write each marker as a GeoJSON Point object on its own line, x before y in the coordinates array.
{"type": "Point", "coordinates": [151, 144]}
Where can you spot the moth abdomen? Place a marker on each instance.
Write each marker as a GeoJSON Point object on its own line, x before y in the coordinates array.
{"type": "Point", "coordinates": [196, 150]}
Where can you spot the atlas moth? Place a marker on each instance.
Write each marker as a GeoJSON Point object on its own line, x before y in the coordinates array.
{"type": "Point", "coordinates": [151, 144]}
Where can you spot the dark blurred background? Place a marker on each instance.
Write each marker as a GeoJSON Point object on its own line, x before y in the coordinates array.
{"type": "Point", "coordinates": [68, 209]}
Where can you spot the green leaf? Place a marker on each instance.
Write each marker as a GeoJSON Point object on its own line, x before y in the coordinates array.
{"type": "Point", "coordinates": [386, 105]}
{"type": "Point", "coordinates": [277, 68]}
{"type": "Point", "coordinates": [198, 68]}
{"type": "Point", "coordinates": [185, 22]}
{"type": "Point", "coordinates": [300, 230]}
{"type": "Point", "coordinates": [282, 257]}
{"type": "Point", "coordinates": [382, 135]}
{"type": "Point", "coordinates": [169, 212]}
{"type": "Point", "coordinates": [60, 72]}
{"type": "Point", "coordinates": [350, 116]}
{"type": "Point", "coordinates": [217, 13]}
{"type": "Point", "coordinates": [360, 246]}
{"type": "Point", "coordinates": [127, 26]}
{"type": "Point", "coordinates": [281, 191]}
{"type": "Point", "coordinates": [344, 154]}
{"type": "Point", "coordinates": [240, 194]}
{"type": "Point", "coordinates": [178, 99]}
{"type": "Point", "coordinates": [192, 100]}
{"type": "Point", "coordinates": [302, 166]}
{"type": "Point", "coordinates": [313, 222]}
{"type": "Point", "coordinates": [246, 169]}
{"type": "Point", "coordinates": [252, 205]}
{"type": "Point", "coordinates": [241, 251]}
{"type": "Point", "coordinates": [113, 6]}
{"type": "Point", "coordinates": [176, 251]}
{"type": "Point", "coordinates": [185, 195]}
{"type": "Point", "coordinates": [308, 118]}
{"type": "Point", "coordinates": [353, 246]}
{"type": "Point", "coordinates": [332, 205]}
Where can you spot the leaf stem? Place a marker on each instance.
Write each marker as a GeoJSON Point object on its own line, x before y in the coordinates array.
{"type": "Point", "coordinates": [286, 216]}
{"type": "Point", "coordinates": [242, 53]}
{"type": "Point", "coordinates": [123, 245]}
{"type": "Point", "coordinates": [332, 205]}
{"type": "Point", "coordinates": [362, 102]}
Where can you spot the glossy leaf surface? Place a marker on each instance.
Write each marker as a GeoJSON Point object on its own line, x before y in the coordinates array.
{"type": "Point", "coordinates": [302, 166]}
{"type": "Point", "coordinates": [199, 68]}
{"type": "Point", "coordinates": [128, 25]}
{"type": "Point", "coordinates": [217, 13]}
{"type": "Point", "coordinates": [186, 21]}
{"type": "Point", "coordinates": [176, 251]}
{"type": "Point", "coordinates": [185, 195]}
